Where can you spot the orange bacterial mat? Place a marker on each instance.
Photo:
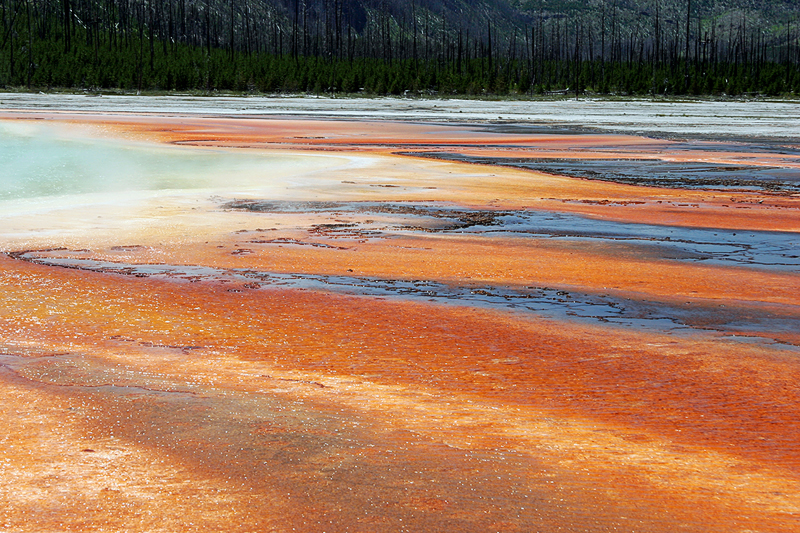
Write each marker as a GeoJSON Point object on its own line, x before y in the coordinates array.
{"type": "Point", "coordinates": [372, 339]}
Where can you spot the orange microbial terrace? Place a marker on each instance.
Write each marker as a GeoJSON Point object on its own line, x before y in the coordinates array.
{"type": "Point", "coordinates": [283, 324]}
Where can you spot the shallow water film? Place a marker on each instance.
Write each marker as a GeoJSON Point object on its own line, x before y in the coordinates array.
{"type": "Point", "coordinates": [218, 323]}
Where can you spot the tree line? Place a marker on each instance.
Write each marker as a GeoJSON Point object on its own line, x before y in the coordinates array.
{"type": "Point", "coordinates": [389, 47]}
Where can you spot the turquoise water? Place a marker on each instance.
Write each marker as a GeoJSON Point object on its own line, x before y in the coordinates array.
{"type": "Point", "coordinates": [41, 160]}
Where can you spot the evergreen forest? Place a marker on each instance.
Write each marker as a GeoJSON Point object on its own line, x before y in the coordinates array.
{"type": "Point", "coordinates": [404, 47]}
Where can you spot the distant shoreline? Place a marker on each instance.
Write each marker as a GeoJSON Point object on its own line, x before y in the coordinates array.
{"type": "Point", "coordinates": [774, 120]}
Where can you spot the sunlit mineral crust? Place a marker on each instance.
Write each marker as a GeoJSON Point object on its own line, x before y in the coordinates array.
{"type": "Point", "coordinates": [372, 347]}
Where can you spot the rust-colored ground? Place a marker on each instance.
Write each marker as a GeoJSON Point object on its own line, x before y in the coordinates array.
{"type": "Point", "coordinates": [158, 404]}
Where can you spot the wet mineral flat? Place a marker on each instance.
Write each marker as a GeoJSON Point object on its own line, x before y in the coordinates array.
{"type": "Point", "coordinates": [263, 323]}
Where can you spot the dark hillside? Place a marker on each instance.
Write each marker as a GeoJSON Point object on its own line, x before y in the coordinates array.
{"type": "Point", "coordinates": [404, 47]}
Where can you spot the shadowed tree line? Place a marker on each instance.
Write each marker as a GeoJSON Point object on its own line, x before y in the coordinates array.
{"type": "Point", "coordinates": [394, 47]}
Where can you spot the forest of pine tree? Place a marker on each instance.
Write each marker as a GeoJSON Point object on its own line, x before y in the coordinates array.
{"type": "Point", "coordinates": [696, 47]}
